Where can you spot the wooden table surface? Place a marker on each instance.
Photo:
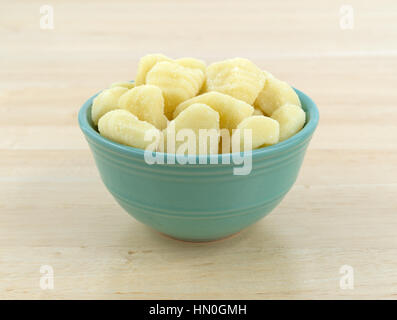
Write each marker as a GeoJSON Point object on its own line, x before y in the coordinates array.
{"type": "Point", "coordinates": [55, 211]}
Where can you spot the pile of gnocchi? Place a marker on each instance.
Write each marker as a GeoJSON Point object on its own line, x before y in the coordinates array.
{"type": "Point", "coordinates": [225, 98]}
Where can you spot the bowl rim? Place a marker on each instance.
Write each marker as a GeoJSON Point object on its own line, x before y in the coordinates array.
{"type": "Point", "coordinates": [308, 105]}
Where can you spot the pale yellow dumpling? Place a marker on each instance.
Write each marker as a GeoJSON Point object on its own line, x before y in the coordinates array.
{"type": "Point", "coordinates": [106, 101]}
{"type": "Point", "coordinates": [124, 84]}
{"type": "Point", "coordinates": [237, 77]}
{"type": "Point", "coordinates": [196, 117]}
{"type": "Point", "coordinates": [176, 82]}
{"type": "Point", "coordinates": [291, 119]}
{"type": "Point", "coordinates": [231, 111]}
{"type": "Point", "coordinates": [264, 130]}
{"type": "Point", "coordinates": [194, 64]}
{"type": "Point", "coordinates": [123, 127]}
{"type": "Point", "coordinates": [147, 103]}
{"type": "Point", "coordinates": [146, 64]}
{"type": "Point", "coordinates": [274, 94]}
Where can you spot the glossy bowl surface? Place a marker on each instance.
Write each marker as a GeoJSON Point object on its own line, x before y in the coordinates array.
{"type": "Point", "coordinates": [199, 202]}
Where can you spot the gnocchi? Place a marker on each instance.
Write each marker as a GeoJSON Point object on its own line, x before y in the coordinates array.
{"type": "Point", "coordinates": [123, 127]}
{"type": "Point", "coordinates": [106, 101]}
{"type": "Point", "coordinates": [237, 77]}
{"type": "Point", "coordinates": [231, 111]}
{"type": "Point", "coordinates": [201, 120]}
{"type": "Point", "coordinates": [147, 103]}
{"type": "Point", "coordinates": [274, 94]}
{"type": "Point", "coordinates": [264, 130]}
{"type": "Point", "coordinates": [177, 83]}
{"type": "Point", "coordinates": [291, 119]}
{"type": "Point", "coordinates": [146, 64]}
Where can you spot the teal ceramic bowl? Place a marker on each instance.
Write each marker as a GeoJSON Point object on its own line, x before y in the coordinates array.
{"type": "Point", "coordinates": [199, 202]}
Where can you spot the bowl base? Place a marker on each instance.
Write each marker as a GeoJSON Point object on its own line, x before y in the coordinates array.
{"type": "Point", "coordinates": [201, 241]}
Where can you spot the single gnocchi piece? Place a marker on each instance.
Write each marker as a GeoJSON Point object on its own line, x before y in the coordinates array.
{"type": "Point", "coordinates": [231, 111]}
{"type": "Point", "coordinates": [237, 77]}
{"type": "Point", "coordinates": [106, 101]}
{"type": "Point", "coordinates": [291, 119]}
{"type": "Point", "coordinates": [202, 134]}
{"type": "Point", "coordinates": [147, 103]}
{"type": "Point", "coordinates": [123, 127]}
{"type": "Point", "coordinates": [177, 83]}
{"type": "Point", "coordinates": [194, 64]}
{"type": "Point", "coordinates": [274, 94]}
{"type": "Point", "coordinates": [124, 84]}
{"type": "Point", "coordinates": [146, 64]}
{"type": "Point", "coordinates": [263, 131]}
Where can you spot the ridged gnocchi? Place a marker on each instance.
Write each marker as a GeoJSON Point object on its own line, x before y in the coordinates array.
{"type": "Point", "coordinates": [291, 119]}
{"type": "Point", "coordinates": [237, 77]}
{"type": "Point", "coordinates": [147, 103]}
{"type": "Point", "coordinates": [199, 119]}
{"type": "Point", "coordinates": [274, 94]}
{"type": "Point", "coordinates": [146, 64]}
{"type": "Point", "coordinates": [231, 111]}
{"type": "Point", "coordinates": [264, 130]}
{"type": "Point", "coordinates": [106, 101]}
{"type": "Point", "coordinates": [177, 83]}
{"type": "Point", "coordinates": [123, 127]}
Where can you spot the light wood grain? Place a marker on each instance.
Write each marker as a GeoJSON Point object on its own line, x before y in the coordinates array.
{"type": "Point", "coordinates": [55, 210]}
